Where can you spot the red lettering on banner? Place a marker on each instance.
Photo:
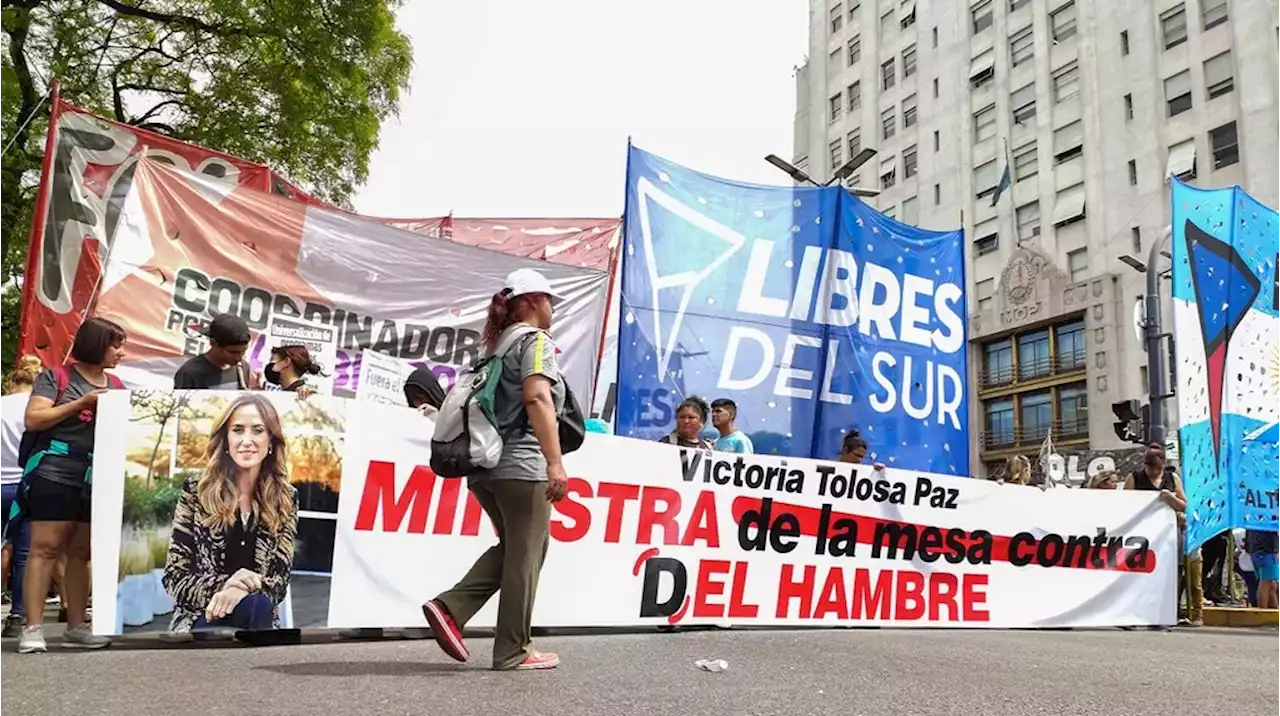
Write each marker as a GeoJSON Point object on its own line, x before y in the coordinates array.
{"type": "Point", "coordinates": [738, 606]}
{"type": "Point", "coordinates": [471, 515]}
{"type": "Point", "coordinates": [617, 494]}
{"type": "Point", "coordinates": [572, 508]}
{"type": "Point", "coordinates": [447, 507]}
{"type": "Point", "coordinates": [380, 497]}
{"type": "Point", "coordinates": [703, 524]}
{"type": "Point", "coordinates": [706, 587]}
{"type": "Point", "coordinates": [651, 516]}
{"type": "Point", "coordinates": [895, 595]}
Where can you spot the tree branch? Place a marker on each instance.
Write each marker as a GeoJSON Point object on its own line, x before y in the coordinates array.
{"type": "Point", "coordinates": [155, 110]}
{"type": "Point", "coordinates": [159, 127]}
{"type": "Point", "coordinates": [173, 19]}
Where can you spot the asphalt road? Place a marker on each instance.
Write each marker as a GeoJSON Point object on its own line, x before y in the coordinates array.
{"type": "Point", "coordinates": [847, 672]}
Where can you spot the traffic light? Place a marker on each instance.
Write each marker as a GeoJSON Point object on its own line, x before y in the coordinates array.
{"type": "Point", "coordinates": [1132, 420]}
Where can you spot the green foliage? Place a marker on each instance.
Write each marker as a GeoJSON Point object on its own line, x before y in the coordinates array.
{"type": "Point", "coordinates": [149, 506]}
{"type": "Point", "coordinates": [301, 86]}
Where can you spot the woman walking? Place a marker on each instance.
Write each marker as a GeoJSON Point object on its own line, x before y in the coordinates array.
{"type": "Point", "coordinates": [517, 492]}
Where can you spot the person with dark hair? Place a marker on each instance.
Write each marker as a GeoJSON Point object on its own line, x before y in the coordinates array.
{"type": "Point", "coordinates": [222, 367]}
{"type": "Point", "coordinates": [56, 494]}
{"type": "Point", "coordinates": [289, 368]}
{"type": "Point", "coordinates": [517, 492]}
{"type": "Point", "coordinates": [724, 416]}
{"type": "Point", "coordinates": [853, 448]}
{"type": "Point", "coordinates": [423, 392]}
{"type": "Point", "coordinates": [691, 416]}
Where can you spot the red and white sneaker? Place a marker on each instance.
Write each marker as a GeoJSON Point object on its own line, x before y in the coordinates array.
{"type": "Point", "coordinates": [446, 631]}
{"type": "Point", "coordinates": [538, 660]}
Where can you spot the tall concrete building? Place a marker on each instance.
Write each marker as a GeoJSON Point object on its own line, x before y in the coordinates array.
{"type": "Point", "coordinates": [1092, 104]}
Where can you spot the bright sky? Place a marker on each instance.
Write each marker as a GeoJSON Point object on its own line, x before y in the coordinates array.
{"type": "Point", "coordinates": [523, 108]}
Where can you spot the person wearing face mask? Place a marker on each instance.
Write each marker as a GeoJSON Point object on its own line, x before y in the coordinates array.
{"type": "Point", "coordinates": [234, 528]}
{"type": "Point", "coordinates": [423, 392]}
{"type": "Point", "coordinates": [691, 416]}
{"type": "Point", "coordinates": [289, 368]}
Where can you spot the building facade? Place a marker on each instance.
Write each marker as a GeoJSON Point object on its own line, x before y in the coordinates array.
{"type": "Point", "coordinates": [1092, 104]}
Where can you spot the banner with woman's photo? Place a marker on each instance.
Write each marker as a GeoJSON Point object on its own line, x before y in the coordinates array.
{"type": "Point", "coordinates": [257, 510]}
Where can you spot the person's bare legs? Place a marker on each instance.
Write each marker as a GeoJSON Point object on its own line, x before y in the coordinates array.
{"type": "Point", "coordinates": [60, 578]}
{"type": "Point", "coordinates": [75, 593]}
{"type": "Point", "coordinates": [48, 542]}
{"type": "Point", "coordinates": [1268, 595]}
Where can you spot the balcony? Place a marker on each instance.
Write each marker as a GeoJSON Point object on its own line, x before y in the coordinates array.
{"type": "Point", "coordinates": [1002, 376]}
{"type": "Point", "coordinates": [1029, 435]}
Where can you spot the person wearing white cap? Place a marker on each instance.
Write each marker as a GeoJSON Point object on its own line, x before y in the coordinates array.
{"type": "Point", "coordinates": [516, 493]}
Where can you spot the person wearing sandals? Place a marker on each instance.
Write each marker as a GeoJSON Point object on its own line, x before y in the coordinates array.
{"type": "Point", "coordinates": [517, 493]}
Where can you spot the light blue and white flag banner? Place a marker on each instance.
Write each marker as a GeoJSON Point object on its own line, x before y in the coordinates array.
{"type": "Point", "coordinates": [1227, 334]}
{"type": "Point", "coordinates": [814, 312]}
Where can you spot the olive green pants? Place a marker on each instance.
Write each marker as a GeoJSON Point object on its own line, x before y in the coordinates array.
{"type": "Point", "coordinates": [522, 516]}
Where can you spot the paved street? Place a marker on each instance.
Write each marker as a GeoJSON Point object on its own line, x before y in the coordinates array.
{"type": "Point", "coordinates": [899, 672]}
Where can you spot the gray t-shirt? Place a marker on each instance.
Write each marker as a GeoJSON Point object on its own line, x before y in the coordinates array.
{"type": "Point", "coordinates": [522, 457]}
{"type": "Point", "coordinates": [75, 430]}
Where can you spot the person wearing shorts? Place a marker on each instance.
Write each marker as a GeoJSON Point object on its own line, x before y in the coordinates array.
{"type": "Point", "coordinates": [1263, 553]}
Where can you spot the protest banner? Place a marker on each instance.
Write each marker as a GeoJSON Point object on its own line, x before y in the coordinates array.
{"type": "Point", "coordinates": [382, 378]}
{"type": "Point", "coordinates": [187, 248]}
{"type": "Point", "coordinates": [653, 534]}
{"type": "Point", "coordinates": [319, 340]}
{"type": "Point", "coordinates": [814, 312]}
{"type": "Point", "coordinates": [1227, 324]}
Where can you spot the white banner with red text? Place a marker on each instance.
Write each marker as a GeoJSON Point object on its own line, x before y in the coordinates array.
{"type": "Point", "coordinates": [652, 534]}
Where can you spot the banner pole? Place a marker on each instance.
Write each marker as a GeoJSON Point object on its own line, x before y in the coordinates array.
{"type": "Point", "coordinates": [622, 285]}
{"type": "Point", "coordinates": [35, 237]}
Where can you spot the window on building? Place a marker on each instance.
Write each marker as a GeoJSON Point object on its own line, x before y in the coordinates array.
{"type": "Point", "coordinates": [909, 112]}
{"type": "Point", "coordinates": [1025, 162]}
{"type": "Point", "coordinates": [1219, 76]}
{"type": "Point", "coordinates": [982, 69]}
{"type": "Point", "coordinates": [1078, 265]}
{"type": "Point", "coordinates": [833, 62]}
{"type": "Point", "coordinates": [855, 142]}
{"type": "Point", "coordinates": [1135, 234]}
{"type": "Point", "coordinates": [1144, 379]}
{"type": "Point", "coordinates": [1226, 148]}
{"type": "Point", "coordinates": [935, 87]}
{"type": "Point", "coordinates": [854, 7]}
{"type": "Point", "coordinates": [986, 290]}
{"type": "Point", "coordinates": [1037, 416]}
{"type": "Point", "coordinates": [998, 358]}
{"type": "Point", "coordinates": [1028, 216]}
{"type": "Point", "coordinates": [985, 178]}
{"type": "Point", "coordinates": [802, 162]}
{"type": "Point", "coordinates": [1069, 344]}
{"type": "Point", "coordinates": [984, 123]}
{"type": "Point", "coordinates": [935, 37]}
{"type": "Point", "coordinates": [1069, 205]}
{"type": "Point", "coordinates": [886, 26]}
{"type": "Point", "coordinates": [911, 211]}
{"type": "Point", "coordinates": [1033, 354]}
{"type": "Point", "coordinates": [1124, 43]}
{"type": "Point", "coordinates": [887, 76]}
{"type": "Point", "coordinates": [835, 108]}
{"type": "Point", "coordinates": [855, 50]}
{"type": "Point", "coordinates": [999, 422]}
{"type": "Point", "coordinates": [1063, 22]}
{"type": "Point", "coordinates": [855, 96]}
{"type": "Point", "coordinates": [837, 17]}
{"type": "Point", "coordinates": [837, 154]}
{"type": "Point", "coordinates": [1182, 160]}
{"type": "Point", "coordinates": [937, 140]}
{"type": "Point", "coordinates": [909, 162]}
{"type": "Point", "coordinates": [1068, 142]}
{"type": "Point", "coordinates": [891, 212]}
{"type": "Point", "coordinates": [1015, 5]}
{"type": "Point", "coordinates": [981, 12]}
{"type": "Point", "coordinates": [1177, 93]}
{"type": "Point", "coordinates": [1073, 411]}
{"type": "Point", "coordinates": [937, 194]}
{"type": "Point", "coordinates": [1023, 102]}
{"type": "Point", "coordinates": [888, 173]}
{"type": "Point", "coordinates": [909, 61]}
{"type": "Point", "coordinates": [1173, 27]}
{"type": "Point", "coordinates": [855, 180]}
{"type": "Point", "coordinates": [1066, 82]}
{"type": "Point", "coordinates": [1212, 13]}
{"type": "Point", "coordinates": [907, 14]}
{"type": "Point", "coordinates": [888, 123]}
{"type": "Point", "coordinates": [1133, 172]}
{"type": "Point", "coordinates": [987, 237]}
{"type": "Point", "coordinates": [1022, 46]}
{"type": "Point", "coordinates": [1128, 107]}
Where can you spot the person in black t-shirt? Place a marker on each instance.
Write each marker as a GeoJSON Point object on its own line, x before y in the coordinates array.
{"type": "Point", "coordinates": [222, 367]}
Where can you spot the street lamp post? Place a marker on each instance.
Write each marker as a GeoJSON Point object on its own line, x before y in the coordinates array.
{"type": "Point", "coordinates": [1157, 365]}
{"type": "Point", "coordinates": [839, 175]}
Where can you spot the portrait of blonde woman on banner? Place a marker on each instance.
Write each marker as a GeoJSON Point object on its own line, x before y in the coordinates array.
{"type": "Point", "coordinates": [232, 547]}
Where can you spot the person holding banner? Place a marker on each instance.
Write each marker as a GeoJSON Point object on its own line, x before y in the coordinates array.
{"type": "Point", "coordinates": [231, 552]}
{"type": "Point", "coordinates": [691, 416]}
{"type": "Point", "coordinates": [222, 367]}
{"type": "Point", "coordinates": [517, 492]}
{"type": "Point", "coordinates": [289, 367]}
{"type": "Point", "coordinates": [56, 493]}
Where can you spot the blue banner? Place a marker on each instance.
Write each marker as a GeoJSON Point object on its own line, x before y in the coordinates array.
{"type": "Point", "coordinates": [1227, 333]}
{"type": "Point", "coordinates": [815, 313]}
